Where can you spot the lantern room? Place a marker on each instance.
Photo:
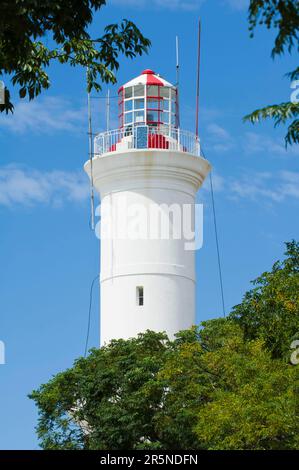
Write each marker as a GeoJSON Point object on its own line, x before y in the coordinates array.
{"type": "Point", "coordinates": [148, 115]}
{"type": "Point", "coordinates": [149, 100]}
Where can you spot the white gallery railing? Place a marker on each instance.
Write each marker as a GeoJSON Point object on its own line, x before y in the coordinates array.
{"type": "Point", "coordinates": [146, 137]}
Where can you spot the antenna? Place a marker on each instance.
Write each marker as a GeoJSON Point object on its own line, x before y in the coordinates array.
{"type": "Point", "coordinates": [177, 59]}
{"type": "Point", "coordinates": [108, 111]}
{"type": "Point", "coordinates": [197, 81]}
{"type": "Point", "coordinates": [90, 156]}
{"type": "Point", "coordinates": [177, 79]}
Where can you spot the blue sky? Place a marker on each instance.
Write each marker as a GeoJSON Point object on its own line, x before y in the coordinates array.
{"type": "Point", "coordinates": [48, 254]}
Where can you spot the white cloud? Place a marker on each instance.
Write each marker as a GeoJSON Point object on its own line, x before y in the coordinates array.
{"type": "Point", "coordinates": [44, 115]}
{"type": "Point", "coordinates": [265, 186]}
{"type": "Point", "coordinates": [179, 4]}
{"type": "Point", "coordinates": [218, 183]}
{"type": "Point", "coordinates": [238, 5]}
{"type": "Point", "coordinates": [218, 138]}
{"type": "Point", "coordinates": [260, 187]}
{"type": "Point", "coordinates": [187, 5]}
{"type": "Point", "coordinates": [24, 186]}
{"type": "Point", "coordinates": [255, 187]}
{"type": "Point", "coordinates": [208, 114]}
{"type": "Point", "coordinates": [257, 143]}
{"type": "Point", "coordinates": [218, 132]}
{"type": "Point", "coordinates": [28, 187]}
{"type": "Point", "coordinates": [289, 183]}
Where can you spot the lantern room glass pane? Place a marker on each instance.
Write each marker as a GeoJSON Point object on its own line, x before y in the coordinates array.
{"type": "Point", "coordinates": [152, 104]}
{"type": "Point", "coordinates": [152, 116]}
{"type": "Point", "coordinates": [128, 117]}
{"type": "Point", "coordinates": [164, 117]}
{"type": "Point", "coordinates": [173, 94]}
{"type": "Point", "coordinates": [128, 92]}
{"type": "Point", "coordinates": [129, 105]}
{"type": "Point", "coordinates": [173, 120]}
{"type": "Point", "coordinates": [173, 106]}
{"type": "Point", "coordinates": [139, 90]}
{"type": "Point", "coordinates": [164, 128]}
{"type": "Point", "coordinates": [139, 116]}
{"type": "Point", "coordinates": [139, 103]}
{"type": "Point", "coordinates": [165, 105]}
{"type": "Point", "coordinates": [152, 90]}
{"type": "Point", "coordinates": [164, 91]}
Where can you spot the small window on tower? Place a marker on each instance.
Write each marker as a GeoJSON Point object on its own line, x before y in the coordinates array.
{"type": "Point", "coordinates": [139, 295]}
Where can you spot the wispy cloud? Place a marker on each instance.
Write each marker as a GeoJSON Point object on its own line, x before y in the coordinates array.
{"type": "Point", "coordinates": [274, 187]}
{"type": "Point", "coordinates": [187, 5]}
{"type": "Point", "coordinates": [27, 187]}
{"type": "Point", "coordinates": [208, 114]}
{"type": "Point", "coordinates": [254, 143]}
{"type": "Point", "coordinates": [289, 185]}
{"type": "Point", "coordinates": [44, 115]}
{"type": "Point", "coordinates": [238, 5]}
{"type": "Point", "coordinates": [218, 138]}
{"type": "Point", "coordinates": [255, 187]}
{"type": "Point", "coordinates": [21, 186]}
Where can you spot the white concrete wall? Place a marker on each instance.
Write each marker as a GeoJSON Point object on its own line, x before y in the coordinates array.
{"type": "Point", "coordinates": [164, 268]}
{"type": "Point", "coordinates": [169, 305]}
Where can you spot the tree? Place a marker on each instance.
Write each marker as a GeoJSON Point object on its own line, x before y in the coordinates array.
{"type": "Point", "coordinates": [151, 393]}
{"type": "Point", "coordinates": [270, 310]}
{"type": "Point", "coordinates": [226, 393]}
{"type": "Point", "coordinates": [282, 15]}
{"type": "Point", "coordinates": [254, 404]}
{"type": "Point", "coordinates": [106, 401]}
{"type": "Point", "coordinates": [226, 385]}
{"type": "Point", "coordinates": [34, 34]}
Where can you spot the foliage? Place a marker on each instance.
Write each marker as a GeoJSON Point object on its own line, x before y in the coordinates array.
{"type": "Point", "coordinates": [226, 385]}
{"type": "Point", "coordinates": [255, 403]}
{"type": "Point", "coordinates": [280, 113]}
{"type": "Point", "coordinates": [283, 16]}
{"type": "Point", "coordinates": [33, 34]}
{"type": "Point", "coordinates": [271, 309]}
{"type": "Point", "coordinates": [113, 391]}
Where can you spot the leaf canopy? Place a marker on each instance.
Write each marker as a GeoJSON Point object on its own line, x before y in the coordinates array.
{"type": "Point", "coordinates": [34, 34]}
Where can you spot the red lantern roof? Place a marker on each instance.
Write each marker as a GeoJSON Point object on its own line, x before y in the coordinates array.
{"type": "Point", "coordinates": [148, 72]}
{"type": "Point", "coordinates": [147, 77]}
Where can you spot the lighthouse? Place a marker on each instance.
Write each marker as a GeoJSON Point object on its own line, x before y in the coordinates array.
{"type": "Point", "coordinates": [147, 173]}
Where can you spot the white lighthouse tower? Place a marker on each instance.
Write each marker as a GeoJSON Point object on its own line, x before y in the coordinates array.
{"type": "Point", "coordinates": [145, 171]}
